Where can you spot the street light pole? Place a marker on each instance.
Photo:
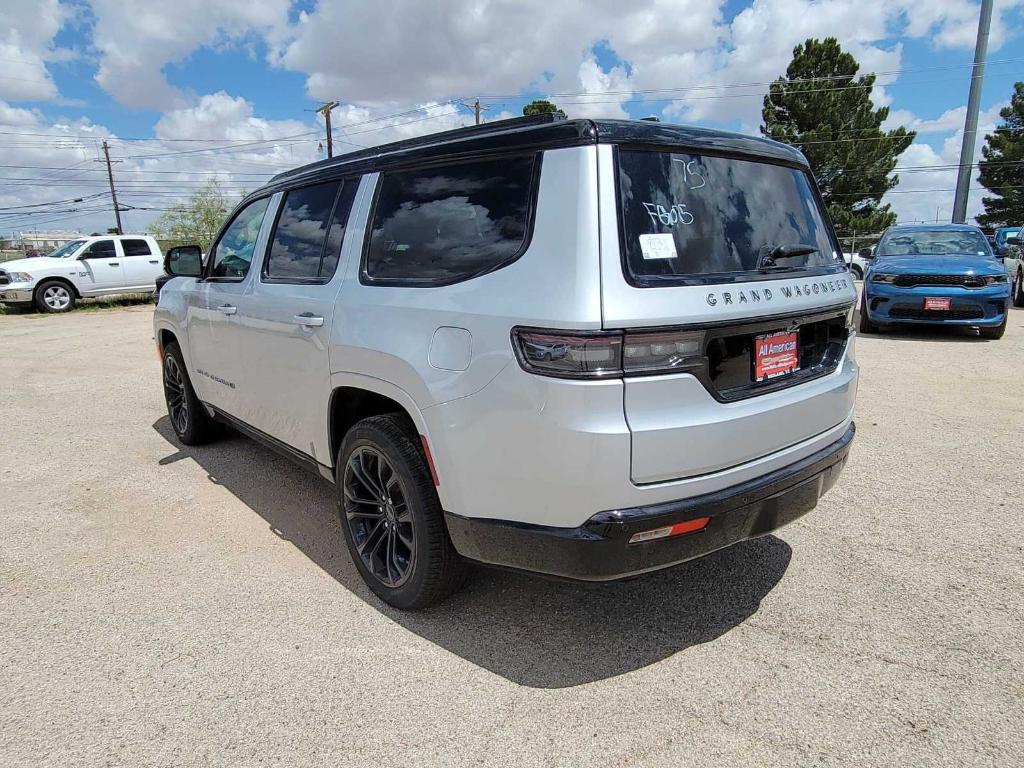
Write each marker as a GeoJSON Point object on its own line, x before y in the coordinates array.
{"type": "Point", "coordinates": [963, 177]}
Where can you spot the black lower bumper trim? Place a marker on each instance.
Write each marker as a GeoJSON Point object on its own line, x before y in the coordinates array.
{"type": "Point", "coordinates": [599, 550]}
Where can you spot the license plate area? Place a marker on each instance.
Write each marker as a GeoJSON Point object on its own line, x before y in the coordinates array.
{"type": "Point", "coordinates": [936, 304]}
{"type": "Point", "coordinates": [776, 355]}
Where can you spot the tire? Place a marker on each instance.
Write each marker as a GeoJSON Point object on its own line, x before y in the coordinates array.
{"type": "Point", "coordinates": [391, 516]}
{"type": "Point", "coordinates": [1018, 294]}
{"type": "Point", "coordinates": [54, 296]}
{"type": "Point", "coordinates": [865, 325]}
{"type": "Point", "coordinates": [858, 274]}
{"type": "Point", "coordinates": [189, 418]}
{"type": "Point", "coordinates": [994, 332]}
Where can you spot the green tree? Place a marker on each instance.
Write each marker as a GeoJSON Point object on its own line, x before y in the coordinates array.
{"type": "Point", "coordinates": [1002, 167]}
{"type": "Point", "coordinates": [196, 221]}
{"type": "Point", "coordinates": [540, 107]}
{"type": "Point", "coordinates": [825, 110]}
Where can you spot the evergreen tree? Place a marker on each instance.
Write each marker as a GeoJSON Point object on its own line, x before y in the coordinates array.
{"type": "Point", "coordinates": [1002, 167]}
{"type": "Point", "coordinates": [540, 107]}
{"type": "Point", "coordinates": [825, 110]}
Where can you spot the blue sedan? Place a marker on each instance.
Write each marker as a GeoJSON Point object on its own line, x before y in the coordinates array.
{"type": "Point", "coordinates": [935, 274]}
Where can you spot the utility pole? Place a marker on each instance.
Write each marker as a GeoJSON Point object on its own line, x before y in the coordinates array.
{"type": "Point", "coordinates": [113, 192]}
{"type": "Point", "coordinates": [963, 178]}
{"type": "Point", "coordinates": [477, 108]}
{"type": "Point", "coordinates": [325, 110]}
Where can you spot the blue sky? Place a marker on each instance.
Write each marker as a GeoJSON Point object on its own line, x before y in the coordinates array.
{"type": "Point", "coordinates": [214, 88]}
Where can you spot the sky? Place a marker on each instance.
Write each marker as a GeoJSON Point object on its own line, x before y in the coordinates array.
{"type": "Point", "coordinates": [193, 90]}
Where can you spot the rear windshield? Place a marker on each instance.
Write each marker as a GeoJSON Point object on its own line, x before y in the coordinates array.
{"type": "Point", "coordinates": [689, 217]}
{"type": "Point", "coordinates": [933, 242]}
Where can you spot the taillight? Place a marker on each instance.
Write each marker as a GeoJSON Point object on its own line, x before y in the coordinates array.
{"type": "Point", "coordinates": [662, 351]}
{"type": "Point", "coordinates": [596, 355]}
{"type": "Point", "coordinates": [570, 355]}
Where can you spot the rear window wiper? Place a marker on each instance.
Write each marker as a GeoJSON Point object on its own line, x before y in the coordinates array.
{"type": "Point", "coordinates": [767, 261]}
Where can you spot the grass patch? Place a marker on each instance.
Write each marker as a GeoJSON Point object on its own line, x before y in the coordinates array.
{"type": "Point", "coordinates": [86, 305]}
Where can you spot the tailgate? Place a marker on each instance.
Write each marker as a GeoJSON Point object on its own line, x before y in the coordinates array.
{"type": "Point", "coordinates": [690, 424]}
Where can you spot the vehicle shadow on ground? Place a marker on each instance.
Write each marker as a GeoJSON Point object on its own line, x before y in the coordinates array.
{"type": "Point", "coordinates": [532, 631]}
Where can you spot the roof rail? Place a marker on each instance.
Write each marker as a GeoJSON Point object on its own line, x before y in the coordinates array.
{"type": "Point", "coordinates": [455, 134]}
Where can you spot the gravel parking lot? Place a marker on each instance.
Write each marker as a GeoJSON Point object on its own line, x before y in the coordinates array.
{"type": "Point", "coordinates": [164, 605]}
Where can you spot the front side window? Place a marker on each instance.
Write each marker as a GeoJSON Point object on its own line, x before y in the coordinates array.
{"type": "Point", "coordinates": [309, 231]}
{"type": "Point", "coordinates": [233, 253]}
{"type": "Point", "coordinates": [136, 248]}
{"type": "Point", "coordinates": [445, 224]}
{"type": "Point", "coordinates": [933, 242]}
{"type": "Point", "coordinates": [101, 249]}
{"type": "Point", "coordinates": [694, 218]}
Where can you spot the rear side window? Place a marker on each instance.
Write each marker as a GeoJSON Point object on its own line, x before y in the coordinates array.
{"type": "Point", "coordinates": [309, 232]}
{"type": "Point", "coordinates": [694, 218]}
{"type": "Point", "coordinates": [444, 224]}
{"type": "Point", "coordinates": [136, 248]}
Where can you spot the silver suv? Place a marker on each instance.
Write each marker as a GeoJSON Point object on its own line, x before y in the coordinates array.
{"type": "Point", "coordinates": [588, 349]}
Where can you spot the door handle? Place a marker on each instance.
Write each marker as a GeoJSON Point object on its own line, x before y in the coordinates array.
{"type": "Point", "coordinates": [309, 320]}
{"type": "Point", "coordinates": [113, 263]}
{"type": "Point", "coordinates": [153, 261]}
{"type": "Point", "coordinates": [227, 309]}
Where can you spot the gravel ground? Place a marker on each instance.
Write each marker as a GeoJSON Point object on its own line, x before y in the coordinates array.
{"type": "Point", "coordinates": [172, 606]}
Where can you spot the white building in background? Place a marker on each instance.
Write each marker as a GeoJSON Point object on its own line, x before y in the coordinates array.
{"type": "Point", "coordinates": [47, 241]}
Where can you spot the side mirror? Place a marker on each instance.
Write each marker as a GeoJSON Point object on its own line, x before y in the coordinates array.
{"type": "Point", "coordinates": [866, 253]}
{"type": "Point", "coordinates": [1013, 240]}
{"type": "Point", "coordinates": [184, 261]}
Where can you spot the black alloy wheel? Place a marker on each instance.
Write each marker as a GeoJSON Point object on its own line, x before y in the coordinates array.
{"type": "Point", "coordinates": [188, 416]}
{"type": "Point", "coordinates": [379, 517]}
{"type": "Point", "coordinates": [391, 515]}
{"type": "Point", "coordinates": [174, 391]}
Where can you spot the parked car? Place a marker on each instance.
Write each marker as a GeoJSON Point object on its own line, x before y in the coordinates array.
{"type": "Point", "coordinates": [560, 346]}
{"type": "Point", "coordinates": [93, 266]}
{"type": "Point", "coordinates": [935, 273]}
{"type": "Point", "coordinates": [1006, 242]}
{"type": "Point", "coordinates": [859, 262]}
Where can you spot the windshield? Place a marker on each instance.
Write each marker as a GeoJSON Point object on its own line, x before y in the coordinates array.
{"type": "Point", "coordinates": [66, 250]}
{"type": "Point", "coordinates": [687, 215]}
{"type": "Point", "coordinates": [934, 242]}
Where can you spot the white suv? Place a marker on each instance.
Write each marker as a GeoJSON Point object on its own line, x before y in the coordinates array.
{"type": "Point", "coordinates": [104, 265]}
{"type": "Point", "coordinates": [588, 349]}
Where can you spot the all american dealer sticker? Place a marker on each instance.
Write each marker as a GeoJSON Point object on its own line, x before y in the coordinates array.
{"type": "Point", "coordinates": [776, 354]}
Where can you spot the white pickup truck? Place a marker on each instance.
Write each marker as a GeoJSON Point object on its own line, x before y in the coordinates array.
{"type": "Point", "coordinates": [104, 265]}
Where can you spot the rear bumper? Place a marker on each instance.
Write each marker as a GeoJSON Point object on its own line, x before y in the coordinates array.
{"type": "Point", "coordinates": [968, 306]}
{"type": "Point", "coordinates": [599, 550]}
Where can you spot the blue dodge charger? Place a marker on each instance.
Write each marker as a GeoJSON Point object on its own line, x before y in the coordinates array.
{"type": "Point", "coordinates": [941, 273]}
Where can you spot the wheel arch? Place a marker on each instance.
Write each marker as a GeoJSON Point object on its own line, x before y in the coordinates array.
{"type": "Point", "coordinates": [57, 279]}
{"type": "Point", "coordinates": [165, 336]}
{"type": "Point", "coordinates": [356, 398]}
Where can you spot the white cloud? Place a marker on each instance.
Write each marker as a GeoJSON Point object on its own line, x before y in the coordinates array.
{"type": "Point", "coordinates": [220, 116]}
{"type": "Point", "coordinates": [27, 29]}
{"type": "Point", "coordinates": [135, 39]}
{"type": "Point", "coordinates": [929, 189]}
{"type": "Point", "coordinates": [56, 160]}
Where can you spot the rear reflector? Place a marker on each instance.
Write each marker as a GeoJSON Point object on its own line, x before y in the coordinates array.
{"type": "Point", "coordinates": [430, 460]}
{"type": "Point", "coordinates": [689, 526]}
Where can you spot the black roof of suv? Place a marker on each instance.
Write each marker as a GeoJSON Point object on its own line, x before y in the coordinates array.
{"type": "Point", "coordinates": [548, 131]}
